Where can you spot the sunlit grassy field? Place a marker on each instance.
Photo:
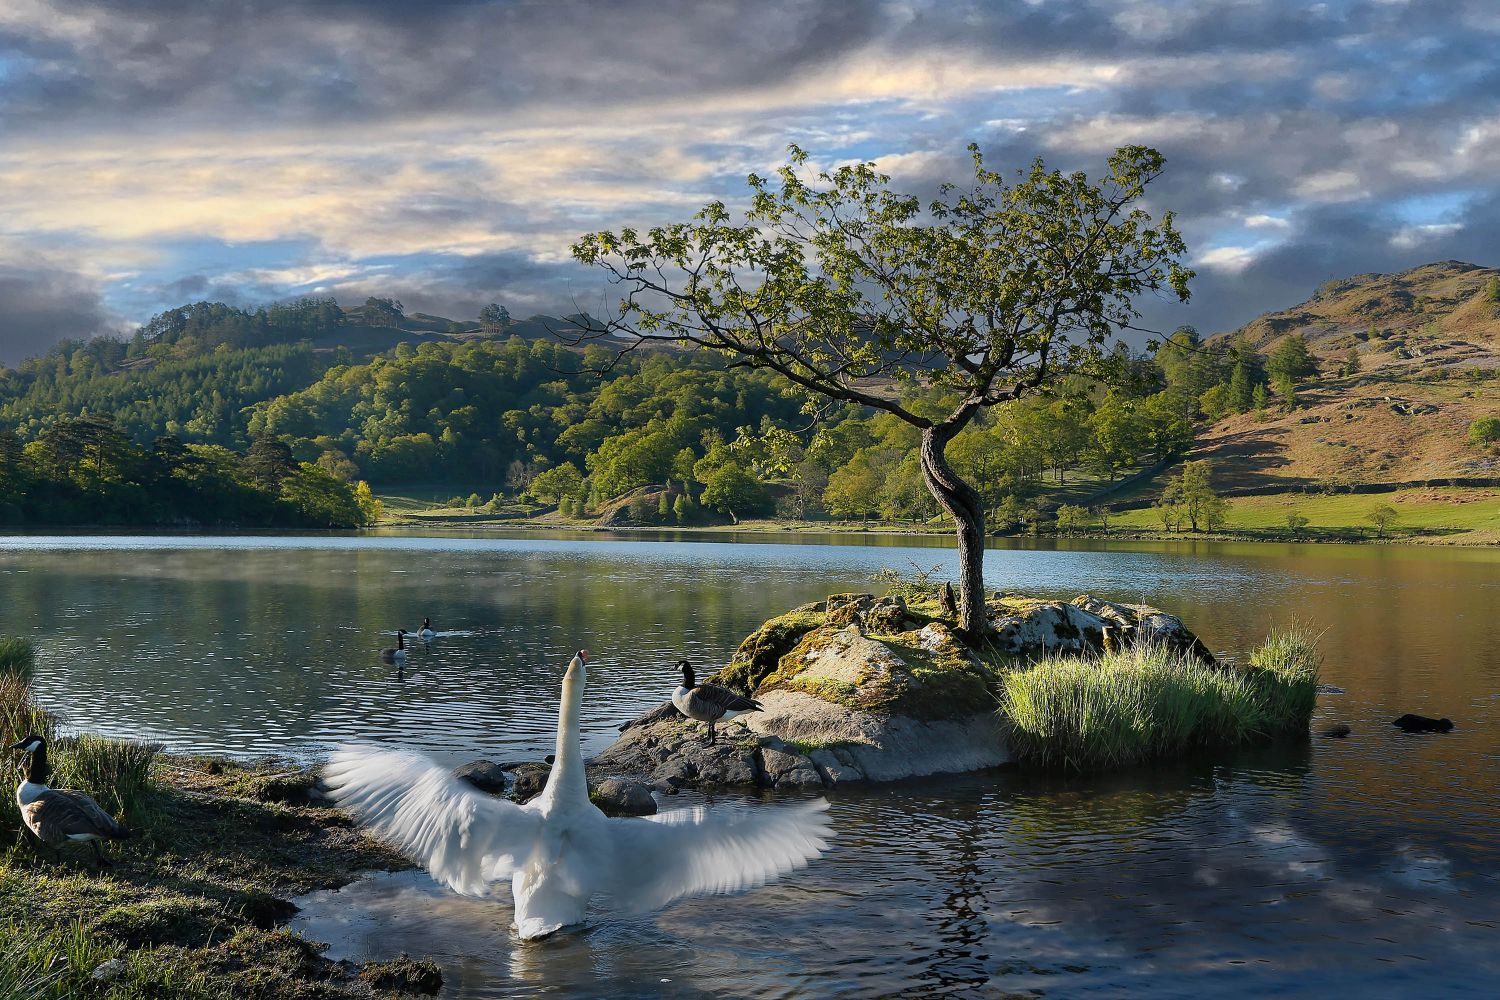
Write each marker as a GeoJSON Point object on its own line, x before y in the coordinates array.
{"type": "Point", "coordinates": [1429, 510]}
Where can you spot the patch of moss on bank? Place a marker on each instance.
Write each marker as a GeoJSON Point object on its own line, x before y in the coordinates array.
{"type": "Point", "coordinates": [190, 905]}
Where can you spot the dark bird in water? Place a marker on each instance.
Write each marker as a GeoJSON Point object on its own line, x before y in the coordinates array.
{"type": "Point", "coordinates": [396, 653]}
{"type": "Point", "coordinates": [708, 702]}
{"type": "Point", "coordinates": [1422, 724]}
{"type": "Point", "coordinates": [58, 816]}
{"type": "Point", "coordinates": [425, 633]}
{"type": "Point", "coordinates": [1338, 732]}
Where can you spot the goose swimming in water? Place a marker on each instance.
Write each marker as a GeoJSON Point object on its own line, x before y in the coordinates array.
{"type": "Point", "coordinates": [58, 816]}
{"type": "Point", "coordinates": [709, 703]}
{"type": "Point", "coordinates": [558, 850]}
{"type": "Point", "coordinates": [396, 653]}
{"type": "Point", "coordinates": [425, 633]}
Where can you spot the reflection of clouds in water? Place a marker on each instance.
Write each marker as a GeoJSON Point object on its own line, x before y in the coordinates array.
{"type": "Point", "coordinates": [1423, 868]}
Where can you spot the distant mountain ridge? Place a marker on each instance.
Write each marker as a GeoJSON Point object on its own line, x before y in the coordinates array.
{"type": "Point", "coordinates": [1444, 305]}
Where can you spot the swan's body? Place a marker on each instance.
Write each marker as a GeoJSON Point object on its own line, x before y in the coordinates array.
{"type": "Point", "coordinates": [425, 633]}
{"type": "Point", "coordinates": [708, 703]}
{"type": "Point", "coordinates": [59, 816]}
{"type": "Point", "coordinates": [559, 850]}
{"type": "Point", "coordinates": [396, 653]}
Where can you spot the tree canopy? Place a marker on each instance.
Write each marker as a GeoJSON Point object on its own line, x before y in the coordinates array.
{"type": "Point", "coordinates": [841, 285]}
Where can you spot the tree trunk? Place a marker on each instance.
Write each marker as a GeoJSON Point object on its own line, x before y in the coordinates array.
{"type": "Point", "coordinates": [962, 503]}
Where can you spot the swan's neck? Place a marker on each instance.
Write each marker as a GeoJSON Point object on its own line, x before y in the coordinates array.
{"type": "Point", "coordinates": [567, 779]}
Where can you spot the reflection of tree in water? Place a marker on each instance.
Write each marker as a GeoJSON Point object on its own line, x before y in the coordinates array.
{"type": "Point", "coordinates": [959, 962]}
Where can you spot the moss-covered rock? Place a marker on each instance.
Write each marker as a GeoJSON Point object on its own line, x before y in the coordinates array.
{"type": "Point", "coordinates": [761, 651]}
{"type": "Point", "coordinates": [926, 673]}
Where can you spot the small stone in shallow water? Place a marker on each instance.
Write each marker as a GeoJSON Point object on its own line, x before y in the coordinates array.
{"type": "Point", "coordinates": [1330, 689]}
{"type": "Point", "coordinates": [485, 775]}
{"type": "Point", "coordinates": [618, 797]}
{"type": "Point", "coordinates": [1337, 732]}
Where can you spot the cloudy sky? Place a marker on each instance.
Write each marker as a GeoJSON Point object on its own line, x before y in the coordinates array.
{"type": "Point", "coordinates": [154, 152]}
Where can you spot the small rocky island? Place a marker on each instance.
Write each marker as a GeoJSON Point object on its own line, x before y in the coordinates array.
{"type": "Point", "coordinates": [860, 688]}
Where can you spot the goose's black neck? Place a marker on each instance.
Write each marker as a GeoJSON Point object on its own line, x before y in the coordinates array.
{"type": "Point", "coordinates": [36, 771]}
{"type": "Point", "coordinates": [687, 676]}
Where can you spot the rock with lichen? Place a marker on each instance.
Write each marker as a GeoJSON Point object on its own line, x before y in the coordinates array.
{"type": "Point", "coordinates": [676, 753]}
{"type": "Point", "coordinates": [1142, 623]}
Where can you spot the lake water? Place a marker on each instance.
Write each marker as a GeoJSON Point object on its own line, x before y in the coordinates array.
{"type": "Point", "coordinates": [1362, 867]}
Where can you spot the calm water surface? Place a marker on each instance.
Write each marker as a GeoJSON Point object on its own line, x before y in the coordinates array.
{"type": "Point", "coordinates": [1364, 867]}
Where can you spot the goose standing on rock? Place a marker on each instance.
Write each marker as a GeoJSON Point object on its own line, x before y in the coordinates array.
{"type": "Point", "coordinates": [709, 703]}
{"type": "Point", "coordinates": [559, 850]}
{"type": "Point", "coordinates": [396, 653]}
{"type": "Point", "coordinates": [425, 633]}
{"type": "Point", "coordinates": [58, 816]}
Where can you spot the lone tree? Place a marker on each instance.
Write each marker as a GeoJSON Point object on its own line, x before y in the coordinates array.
{"type": "Point", "coordinates": [1383, 518]}
{"type": "Point", "coordinates": [843, 286]}
{"type": "Point", "coordinates": [493, 318]}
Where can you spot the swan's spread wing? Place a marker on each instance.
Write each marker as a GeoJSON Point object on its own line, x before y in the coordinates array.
{"type": "Point", "coordinates": [688, 852]}
{"type": "Point", "coordinates": [465, 838]}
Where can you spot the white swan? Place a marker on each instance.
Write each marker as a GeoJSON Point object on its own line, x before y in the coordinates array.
{"type": "Point", "coordinates": [559, 850]}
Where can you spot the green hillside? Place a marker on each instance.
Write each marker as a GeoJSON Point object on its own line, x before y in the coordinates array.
{"type": "Point", "coordinates": [1372, 384]}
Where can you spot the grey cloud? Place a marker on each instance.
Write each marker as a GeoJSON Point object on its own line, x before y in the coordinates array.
{"type": "Point", "coordinates": [40, 305]}
{"type": "Point", "coordinates": [458, 287]}
{"type": "Point", "coordinates": [1331, 242]}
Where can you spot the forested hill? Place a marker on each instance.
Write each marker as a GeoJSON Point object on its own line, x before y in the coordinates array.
{"type": "Point", "coordinates": [193, 372]}
{"type": "Point", "coordinates": [1374, 379]}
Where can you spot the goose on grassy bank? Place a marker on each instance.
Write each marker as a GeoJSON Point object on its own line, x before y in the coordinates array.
{"type": "Point", "coordinates": [59, 816]}
{"type": "Point", "coordinates": [708, 703]}
{"type": "Point", "coordinates": [559, 851]}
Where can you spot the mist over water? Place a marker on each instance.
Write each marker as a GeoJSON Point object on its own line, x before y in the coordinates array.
{"type": "Point", "coordinates": [1363, 867]}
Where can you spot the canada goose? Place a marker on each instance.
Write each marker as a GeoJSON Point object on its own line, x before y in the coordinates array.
{"type": "Point", "coordinates": [559, 850]}
{"type": "Point", "coordinates": [396, 653]}
{"type": "Point", "coordinates": [57, 816]}
{"type": "Point", "coordinates": [425, 633]}
{"type": "Point", "coordinates": [708, 702]}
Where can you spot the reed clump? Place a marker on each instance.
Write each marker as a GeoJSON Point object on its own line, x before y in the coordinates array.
{"type": "Point", "coordinates": [1147, 702]}
{"type": "Point", "coordinates": [17, 656]}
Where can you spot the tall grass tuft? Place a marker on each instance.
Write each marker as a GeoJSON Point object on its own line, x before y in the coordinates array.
{"type": "Point", "coordinates": [117, 773]}
{"type": "Point", "coordinates": [51, 964]}
{"type": "Point", "coordinates": [1146, 702]}
{"type": "Point", "coordinates": [1288, 663]}
{"type": "Point", "coordinates": [17, 656]}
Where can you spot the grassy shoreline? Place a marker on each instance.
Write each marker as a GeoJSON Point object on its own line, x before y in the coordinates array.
{"type": "Point", "coordinates": [194, 906]}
